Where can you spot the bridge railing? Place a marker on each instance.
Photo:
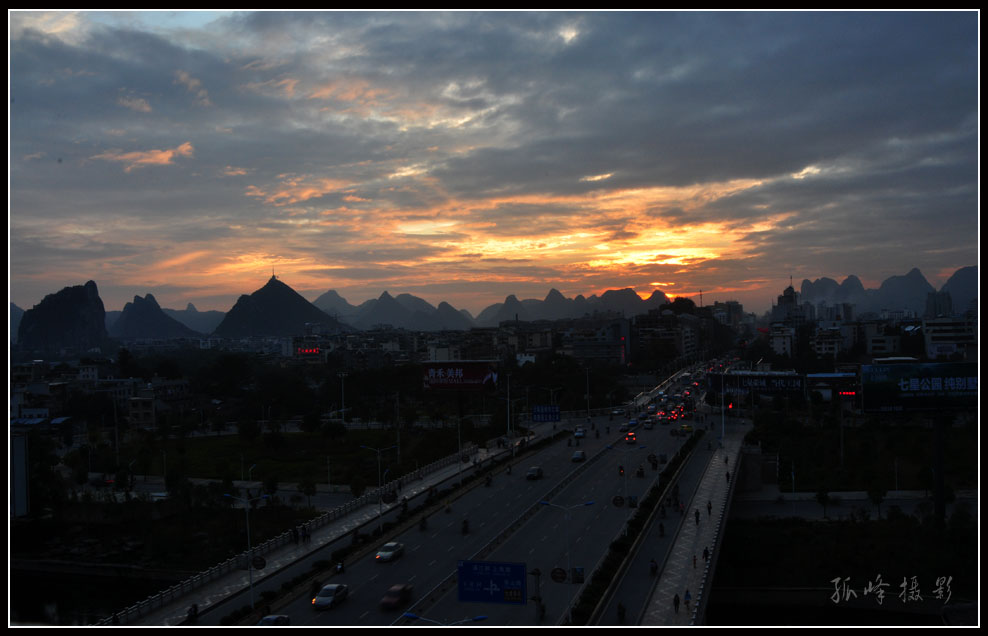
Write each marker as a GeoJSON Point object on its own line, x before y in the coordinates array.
{"type": "Point", "coordinates": [177, 591]}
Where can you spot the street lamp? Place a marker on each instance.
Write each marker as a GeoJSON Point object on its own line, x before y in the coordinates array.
{"type": "Point", "coordinates": [567, 518]}
{"type": "Point", "coordinates": [250, 550]}
{"type": "Point", "coordinates": [342, 375]}
{"type": "Point", "coordinates": [380, 500]}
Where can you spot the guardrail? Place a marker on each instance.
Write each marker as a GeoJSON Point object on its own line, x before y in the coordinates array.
{"type": "Point", "coordinates": [711, 564]}
{"type": "Point", "coordinates": [171, 594]}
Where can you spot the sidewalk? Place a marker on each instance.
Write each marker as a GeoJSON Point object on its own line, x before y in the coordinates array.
{"type": "Point", "coordinates": [679, 574]}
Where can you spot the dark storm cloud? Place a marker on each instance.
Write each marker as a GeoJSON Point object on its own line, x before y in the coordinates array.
{"type": "Point", "coordinates": [341, 131]}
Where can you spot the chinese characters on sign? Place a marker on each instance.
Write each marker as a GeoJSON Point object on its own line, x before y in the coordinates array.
{"type": "Point", "coordinates": [460, 374]}
{"type": "Point", "coordinates": [919, 386]}
{"type": "Point", "coordinates": [491, 582]}
{"type": "Point", "coordinates": [910, 587]}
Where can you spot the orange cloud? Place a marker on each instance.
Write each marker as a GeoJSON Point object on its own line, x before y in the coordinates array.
{"type": "Point", "coordinates": [194, 86]}
{"type": "Point", "coordinates": [147, 158]}
{"type": "Point", "coordinates": [297, 188]}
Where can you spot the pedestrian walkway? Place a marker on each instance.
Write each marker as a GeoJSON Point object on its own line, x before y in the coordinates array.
{"type": "Point", "coordinates": [679, 574]}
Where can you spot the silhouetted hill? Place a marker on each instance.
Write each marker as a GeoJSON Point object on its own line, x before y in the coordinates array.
{"type": "Point", "coordinates": [144, 318]}
{"type": "Point", "coordinates": [16, 313]}
{"type": "Point", "coordinates": [904, 292]}
{"type": "Point", "coordinates": [963, 289]}
{"type": "Point", "coordinates": [273, 310]}
{"type": "Point", "coordinates": [201, 321]}
{"type": "Point", "coordinates": [72, 319]}
{"type": "Point", "coordinates": [556, 307]}
{"type": "Point", "coordinates": [335, 305]}
{"type": "Point", "coordinates": [895, 293]}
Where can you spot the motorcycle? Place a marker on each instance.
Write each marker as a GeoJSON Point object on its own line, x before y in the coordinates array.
{"type": "Point", "coordinates": [339, 568]}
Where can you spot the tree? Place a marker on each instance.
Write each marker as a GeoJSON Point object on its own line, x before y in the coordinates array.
{"type": "Point", "coordinates": [307, 488]}
{"type": "Point", "coordinates": [823, 498]}
{"type": "Point", "coordinates": [271, 488]}
{"type": "Point", "coordinates": [877, 495]}
{"type": "Point", "coordinates": [357, 485]}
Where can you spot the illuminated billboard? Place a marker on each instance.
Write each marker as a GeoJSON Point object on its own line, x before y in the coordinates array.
{"type": "Point", "coordinates": [893, 388]}
{"type": "Point", "coordinates": [767, 383]}
{"type": "Point", "coordinates": [463, 375]}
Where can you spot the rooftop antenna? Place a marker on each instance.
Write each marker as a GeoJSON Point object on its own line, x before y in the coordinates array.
{"type": "Point", "coordinates": [701, 299]}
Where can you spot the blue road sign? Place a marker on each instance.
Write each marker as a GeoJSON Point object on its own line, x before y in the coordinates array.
{"type": "Point", "coordinates": [492, 582]}
{"type": "Point", "coordinates": [545, 413]}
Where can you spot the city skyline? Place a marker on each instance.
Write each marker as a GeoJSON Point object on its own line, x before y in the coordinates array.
{"type": "Point", "coordinates": [465, 156]}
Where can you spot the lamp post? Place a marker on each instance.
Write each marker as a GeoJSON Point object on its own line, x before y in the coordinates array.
{"type": "Point", "coordinates": [380, 500]}
{"type": "Point", "coordinates": [342, 375]}
{"type": "Point", "coordinates": [567, 518]}
{"type": "Point", "coordinates": [250, 550]}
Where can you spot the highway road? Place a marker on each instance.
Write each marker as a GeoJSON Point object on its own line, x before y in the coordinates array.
{"type": "Point", "coordinates": [431, 556]}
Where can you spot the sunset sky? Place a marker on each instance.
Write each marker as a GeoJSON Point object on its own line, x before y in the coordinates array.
{"type": "Point", "coordinates": [467, 156]}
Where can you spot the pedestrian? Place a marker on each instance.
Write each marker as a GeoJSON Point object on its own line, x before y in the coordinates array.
{"type": "Point", "coordinates": [620, 612]}
{"type": "Point", "coordinates": [687, 598]}
{"type": "Point", "coordinates": [710, 507]}
{"type": "Point", "coordinates": [728, 475]}
{"type": "Point", "coordinates": [694, 561]}
{"type": "Point", "coordinates": [295, 535]}
{"type": "Point", "coordinates": [696, 513]}
{"type": "Point", "coordinates": [706, 554]}
{"type": "Point", "coordinates": [675, 603]}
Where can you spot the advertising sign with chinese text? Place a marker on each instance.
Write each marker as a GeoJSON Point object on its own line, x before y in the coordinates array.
{"type": "Point", "coordinates": [459, 375]}
{"type": "Point", "coordinates": [893, 388]}
{"type": "Point", "coordinates": [742, 383]}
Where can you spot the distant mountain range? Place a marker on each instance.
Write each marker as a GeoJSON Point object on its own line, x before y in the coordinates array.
{"type": "Point", "coordinates": [70, 317]}
{"type": "Point", "coordinates": [896, 292]}
{"type": "Point", "coordinates": [410, 312]}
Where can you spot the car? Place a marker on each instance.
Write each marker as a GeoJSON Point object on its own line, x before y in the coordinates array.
{"type": "Point", "coordinates": [397, 596]}
{"type": "Point", "coordinates": [274, 620]}
{"type": "Point", "coordinates": [579, 456]}
{"type": "Point", "coordinates": [389, 552]}
{"type": "Point", "coordinates": [624, 428]}
{"type": "Point", "coordinates": [330, 596]}
{"type": "Point", "coordinates": [580, 432]}
{"type": "Point", "coordinates": [630, 437]}
{"type": "Point", "coordinates": [535, 472]}
{"type": "Point", "coordinates": [686, 428]}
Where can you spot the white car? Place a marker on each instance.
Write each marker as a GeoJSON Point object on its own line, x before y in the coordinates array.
{"type": "Point", "coordinates": [330, 596]}
{"type": "Point", "coordinates": [277, 620]}
{"type": "Point", "coordinates": [389, 552]}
